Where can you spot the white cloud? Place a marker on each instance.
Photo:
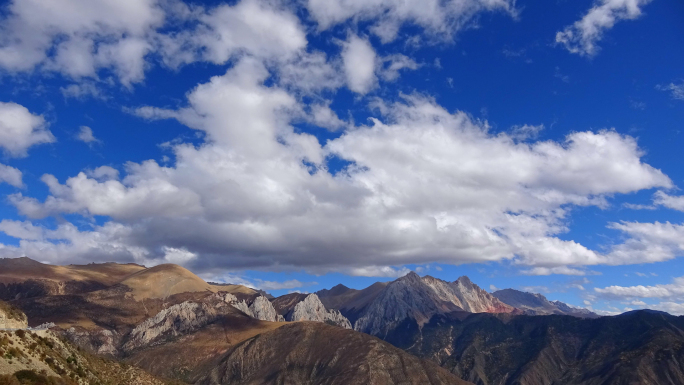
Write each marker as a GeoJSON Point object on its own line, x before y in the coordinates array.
{"type": "Point", "coordinates": [81, 38]}
{"type": "Point", "coordinates": [359, 60]}
{"type": "Point", "coordinates": [20, 129]}
{"type": "Point", "coordinates": [310, 72]}
{"type": "Point", "coordinates": [675, 90]}
{"type": "Point", "coordinates": [259, 28]}
{"type": "Point", "coordinates": [103, 173]}
{"type": "Point", "coordinates": [11, 175]}
{"type": "Point", "coordinates": [526, 131]}
{"type": "Point", "coordinates": [563, 270]}
{"type": "Point", "coordinates": [438, 18]}
{"type": "Point", "coordinates": [672, 295]}
{"type": "Point", "coordinates": [378, 271]}
{"type": "Point", "coordinates": [633, 206]}
{"type": "Point", "coordinates": [672, 202]}
{"type": "Point", "coordinates": [290, 284]}
{"type": "Point", "coordinates": [323, 116]}
{"type": "Point", "coordinates": [422, 185]}
{"type": "Point", "coordinates": [78, 37]}
{"type": "Point", "coordinates": [392, 64]}
{"type": "Point", "coordinates": [581, 37]}
{"type": "Point", "coordinates": [647, 242]}
{"type": "Point", "coordinates": [82, 90]}
{"type": "Point", "coordinates": [85, 135]}
{"type": "Point", "coordinates": [179, 256]}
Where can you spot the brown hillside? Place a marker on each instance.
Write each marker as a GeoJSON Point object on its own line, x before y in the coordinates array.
{"type": "Point", "coordinates": [163, 281]}
{"type": "Point", "coordinates": [317, 353]}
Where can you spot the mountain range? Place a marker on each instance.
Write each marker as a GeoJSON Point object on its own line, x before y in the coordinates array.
{"type": "Point", "coordinates": [174, 326]}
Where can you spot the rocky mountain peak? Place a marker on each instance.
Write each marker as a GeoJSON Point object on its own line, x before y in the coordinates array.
{"type": "Point", "coordinates": [412, 276]}
{"type": "Point", "coordinates": [312, 309]}
{"type": "Point", "coordinates": [406, 297]}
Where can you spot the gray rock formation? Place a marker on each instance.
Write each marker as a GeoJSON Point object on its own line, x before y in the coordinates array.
{"type": "Point", "coordinates": [311, 309]}
{"type": "Point", "coordinates": [170, 322]}
{"type": "Point", "coordinates": [476, 300]}
{"type": "Point", "coordinates": [406, 297]}
{"type": "Point", "coordinates": [100, 341]}
{"type": "Point", "coordinates": [261, 308]}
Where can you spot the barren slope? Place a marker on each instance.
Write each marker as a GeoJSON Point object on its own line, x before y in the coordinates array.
{"type": "Point", "coordinates": [316, 353]}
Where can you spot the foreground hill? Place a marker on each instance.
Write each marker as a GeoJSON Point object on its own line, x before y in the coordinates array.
{"type": "Point", "coordinates": [640, 347]}
{"type": "Point", "coordinates": [41, 357]}
{"type": "Point", "coordinates": [24, 277]}
{"type": "Point", "coordinates": [317, 353]}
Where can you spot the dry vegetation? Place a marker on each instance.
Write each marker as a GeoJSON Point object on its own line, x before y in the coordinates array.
{"type": "Point", "coordinates": [44, 359]}
{"type": "Point", "coordinates": [12, 312]}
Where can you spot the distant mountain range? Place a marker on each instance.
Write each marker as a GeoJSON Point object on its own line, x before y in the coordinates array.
{"type": "Point", "coordinates": [413, 330]}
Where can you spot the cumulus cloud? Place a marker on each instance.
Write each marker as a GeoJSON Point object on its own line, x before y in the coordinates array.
{"type": "Point", "coordinates": [359, 60]}
{"type": "Point", "coordinates": [672, 295]}
{"type": "Point", "coordinates": [647, 242]}
{"type": "Point", "coordinates": [103, 173]}
{"type": "Point", "coordinates": [20, 129]}
{"type": "Point", "coordinates": [323, 116]}
{"type": "Point", "coordinates": [259, 28]}
{"type": "Point", "coordinates": [661, 198]}
{"type": "Point", "coordinates": [421, 185]}
{"type": "Point", "coordinates": [11, 175]}
{"type": "Point", "coordinates": [582, 37]}
{"type": "Point", "coordinates": [78, 37]}
{"type": "Point", "coordinates": [439, 18]}
{"type": "Point", "coordinates": [81, 38]}
{"type": "Point", "coordinates": [85, 135]}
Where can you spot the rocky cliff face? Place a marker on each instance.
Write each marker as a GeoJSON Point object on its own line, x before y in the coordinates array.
{"type": "Point", "coordinates": [406, 297]}
{"type": "Point", "coordinates": [314, 353]}
{"type": "Point", "coordinates": [467, 295]}
{"type": "Point", "coordinates": [537, 304]}
{"type": "Point", "coordinates": [261, 308]}
{"type": "Point", "coordinates": [311, 309]}
{"type": "Point", "coordinates": [170, 322]}
{"type": "Point", "coordinates": [476, 300]}
{"type": "Point", "coordinates": [100, 341]}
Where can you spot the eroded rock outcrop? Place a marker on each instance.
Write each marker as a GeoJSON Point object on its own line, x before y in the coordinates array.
{"type": "Point", "coordinates": [261, 308]}
{"type": "Point", "coordinates": [312, 309]}
{"type": "Point", "coordinates": [170, 322]}
{"type": "Point", "coordinates": [100, 341]}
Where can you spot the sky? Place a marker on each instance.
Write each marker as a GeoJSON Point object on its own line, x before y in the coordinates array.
{"type": "Point", "coordinates": [292, 145]}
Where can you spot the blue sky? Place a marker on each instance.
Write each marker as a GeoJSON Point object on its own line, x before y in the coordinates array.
{"type": "Point", "coordinates": [297, 145]}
